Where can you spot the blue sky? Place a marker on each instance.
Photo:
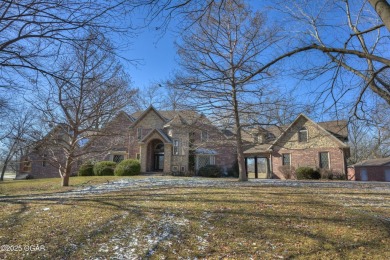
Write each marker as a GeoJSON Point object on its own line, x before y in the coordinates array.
{"type": "Point", "coordinates": [156, 58]}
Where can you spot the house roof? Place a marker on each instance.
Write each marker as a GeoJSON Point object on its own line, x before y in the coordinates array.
{"type": "Point", "coordinates": [338, 128]}
{"type": "Point", "coordinates": [187, 115]}
{"type": "Point", "coordinates": [374, 162]}
{"type": "Point", "coordinates": [331, 135]}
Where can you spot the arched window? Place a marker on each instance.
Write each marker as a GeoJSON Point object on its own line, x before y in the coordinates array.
{"type": "Point", "coordinates": [303, 134]}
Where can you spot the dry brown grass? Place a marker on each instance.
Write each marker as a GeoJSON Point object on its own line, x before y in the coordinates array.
{"type": "Point", "coordinates": [241, 222]}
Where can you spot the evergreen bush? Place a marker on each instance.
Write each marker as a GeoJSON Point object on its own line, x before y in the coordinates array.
{"type": "Point", "coordinates": [86, 169]}
{"type": "Point", "coordinates": [104, 168]}
{"type": "Point", "coordinates": [212, 171]}
{"type": "Point", "coordinates": [128, 167]}
{"type": "Point", "coordinates": [307, 173]}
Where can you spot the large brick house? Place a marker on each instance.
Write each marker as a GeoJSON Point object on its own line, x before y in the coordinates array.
{"type": "Point", "coordinates": [184, 141]}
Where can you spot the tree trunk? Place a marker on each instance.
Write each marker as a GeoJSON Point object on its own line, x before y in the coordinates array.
{"type": "Point", "coordinates": [6, 161]}
{"type": "Point", "coordinates": [240, 158]}
{"type": "Point", "coordinates": [240, 152]}
{"type": "Point", "coordinates": [67, 173]}
{"type": "Point", "coordinates": [382, 8]}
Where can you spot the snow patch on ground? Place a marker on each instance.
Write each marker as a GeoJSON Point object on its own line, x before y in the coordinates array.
{"type": "Point", "coordinates": [131, 243]}
{"type": "Point", "coordinates": [154, 182]}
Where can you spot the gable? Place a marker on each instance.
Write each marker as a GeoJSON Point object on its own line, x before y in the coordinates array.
{"type": "Point", "coordinates": [149, 119]}
{"type": "Point", "coordinates": [317, 136]}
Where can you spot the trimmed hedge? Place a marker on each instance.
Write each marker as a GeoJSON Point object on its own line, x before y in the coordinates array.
{"type": "Point", "coordinates": [86, 169]}
{"type": "Point", "coordinates": [128, 167]}
{"type": "Point", "coordinates": [104, 168]}
{"type": "Point", "coordinates": [212, 171]}
{"type": "Point", "coordinates": [307, 173]}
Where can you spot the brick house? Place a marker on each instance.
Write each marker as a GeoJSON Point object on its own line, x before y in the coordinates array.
{"type": "Point", "coordinates": [370, 170]}
{"type": "Point", "coordinates": [183, 141]}
{"type": "Point", "coordinates": [302, 143]}
{"type": "Point", "coordinates": [177, 141]}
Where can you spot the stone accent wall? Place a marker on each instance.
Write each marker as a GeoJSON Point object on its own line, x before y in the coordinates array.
{"type": "Point", "coordinates": [316, 137]}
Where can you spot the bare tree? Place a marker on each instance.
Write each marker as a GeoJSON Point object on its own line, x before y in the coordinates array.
{"type": "Point", "coordinates": [34, 32]}
{"type": "Point", "coordinates": [382, 8]}
{"type": "Point", "coordinates": [19, 133]}
{"type": "Point", "coordinates": [218, 57]}
{"type": "Point", "coordinates": [90, 90]}
{"type": "Point", "coordinates": [355, 44]}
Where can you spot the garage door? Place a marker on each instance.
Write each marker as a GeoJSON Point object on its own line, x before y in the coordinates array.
{"type": "Point", "coordinates": [387, 175]}
{"type": "Point", "coordinates": [363, 175]}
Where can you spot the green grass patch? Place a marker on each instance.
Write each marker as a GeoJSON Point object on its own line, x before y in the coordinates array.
{"type": "Point", "coordinates": [240, 222]}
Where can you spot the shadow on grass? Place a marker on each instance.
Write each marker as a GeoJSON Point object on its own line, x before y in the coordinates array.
{"type": "Point", "coordinates": [253, 214]}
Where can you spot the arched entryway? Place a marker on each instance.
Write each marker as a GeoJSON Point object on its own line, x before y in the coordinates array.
{"type": "Point", "coordinates": [156, 156]}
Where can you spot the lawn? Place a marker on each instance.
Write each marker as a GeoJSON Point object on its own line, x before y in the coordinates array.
{"type": "Point", "coordinates": [171, 218]}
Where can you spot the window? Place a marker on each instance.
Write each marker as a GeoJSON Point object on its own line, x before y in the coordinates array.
{"type": "Point", "coordinates": [324, 160]}
{"type": "Point", "coordinates": [286, 159]}
{"type": "Point", "coordinates": [118, 158]}
{"type": "Point", "coordinates": [139, 133]}
{"type": "Point", "coordinates": [26, 167]}
{"type": "Point", "coordinates": [303, 135]}
{"type": "Point", "coordinates": [204, 136]}
{"type": "Point", "coordinates": [175, 147]}
{"type": "Point", "coordinates": [44, 160]}
{"type": "Point", "coordinates": [138, 156]}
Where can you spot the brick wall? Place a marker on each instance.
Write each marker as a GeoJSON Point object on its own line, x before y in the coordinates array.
{"type": "Point", "coordinates": [373, 173]}
{"type": "Point", "coordinates": [307, 153]}
{"type": "Point", "coordinates": [310, 158]}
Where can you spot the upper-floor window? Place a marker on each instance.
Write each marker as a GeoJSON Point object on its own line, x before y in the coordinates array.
{"type": "Point", "coordinates": [44, 160]}
{"type": "Point", "coordinates": [139, 133]}
{"type": "Point", "coordinates": [204, 137]}
{"type": "Point", "coordinates": [303, 134]}
{"type": "Point", "coordinates": [175, 147]}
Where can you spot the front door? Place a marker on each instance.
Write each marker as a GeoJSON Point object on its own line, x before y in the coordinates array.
{"type": "Point", "coordinates": [159, 162]}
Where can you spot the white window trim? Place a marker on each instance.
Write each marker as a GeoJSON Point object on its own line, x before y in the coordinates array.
{"type": "Point", "coordinates": [176, 147]}
{"type": "Point", "coordinates": [139, 133]}
{"type": "Point", "coordinates": [303, 129]}
{"type": "Point", "coordinates": [319, 161]}
{"type": "Point", "coordinates": [206, 137]}
{"type": "Point", "coordinates": [113, 153]}
{"type": "Point", "coordinates": [289, 154]}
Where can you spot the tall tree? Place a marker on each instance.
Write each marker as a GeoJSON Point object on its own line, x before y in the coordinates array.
{"type": "Point", "coordinates": [89, 90]}
{"type": "Point", "coordinates": [356, 60]}
{"type": "Point", "coordinates": [217, 59]}
{"type": "Point", "coordinates": [34, 32]}
{"type": "Point", "coordinates": [18, 134]}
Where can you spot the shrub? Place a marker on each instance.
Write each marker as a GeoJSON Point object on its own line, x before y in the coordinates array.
{"type": "Point", "coordinates": [307, 173]}
{"type": "Point", "coordinates": [86, 169]}
{"type": "Point", "coordinates": [339, 176]}
{"type": "Point", "coordinates": [104, 168]}
{"type": "Point", "coordinates": [287, 171]}
{"type": "Point", "coordinates": [210, 171]}
{"type": "Point", "coordinates": [326, 174]}
{"type": "Point", "coordinates": [128, 167]}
